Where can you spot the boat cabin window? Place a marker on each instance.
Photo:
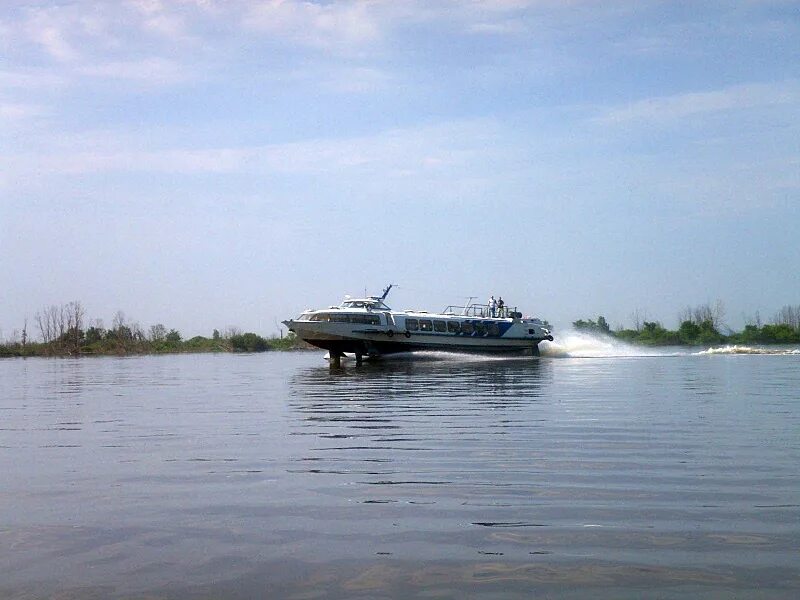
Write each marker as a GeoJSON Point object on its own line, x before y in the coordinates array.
{"type": "Point", "coordinates": [480, 328]}
{"type": "Point", "coordinates": [366, 319]}
{"type": "Point", "coordinates": [493, 329]}
{"type": "Point", "coordinates": [412, 324]}
{"type": "Point", "coordinates": [340, 318]}
{"type": "Point", "coordinates": [320, 317]}
{"type": "Point", "coordinates": [440, 326]}
{"type": "Point", "coordinates": [373, 304]}
{"type": "Point", "coordinates": [304, 317]}
{"type": "Point", "coordinates": [466, 327]}
{"type": "Point", "coordinates": [426, 325]}
{"type": "Point", "coordinates": [453, 326]}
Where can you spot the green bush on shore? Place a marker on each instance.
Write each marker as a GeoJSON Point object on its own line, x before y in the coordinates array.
{"type": "Point", "coordinates": [63, 335]}
{"type": "Point", "coordinates": [248, 342]}
{"type": "Point", "coordinates": [692, 333]}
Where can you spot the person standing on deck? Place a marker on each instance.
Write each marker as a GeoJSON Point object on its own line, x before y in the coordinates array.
{"type": "Point", "coordinates": [501, 307]}
{"type": "Point", "coordinates": [492, 306]}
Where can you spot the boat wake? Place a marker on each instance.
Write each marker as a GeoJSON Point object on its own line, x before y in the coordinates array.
{"type": "Point", "coordinates": [573, 344]}
{"type": "Point", "coordinates": [736, 349]}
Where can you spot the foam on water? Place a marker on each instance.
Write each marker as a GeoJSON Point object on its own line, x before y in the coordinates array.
{"type": "Point", "coordinates": [573, 344]}
{"type": "Point", "coordinates": [736, 349]}
{"type": "Point", "coordinates": [464, 357]}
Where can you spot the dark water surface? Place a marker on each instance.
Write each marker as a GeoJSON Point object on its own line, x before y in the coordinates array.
{"type": "Point", "coordinates": [272, 476]}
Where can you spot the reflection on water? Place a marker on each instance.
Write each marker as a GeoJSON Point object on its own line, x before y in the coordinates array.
{"type": "Point", "coordinates": [277, 476]}
{"type": "Point", "coordinates": [409, 425]}
{"type": "Point", "coordinates": [493, 380]}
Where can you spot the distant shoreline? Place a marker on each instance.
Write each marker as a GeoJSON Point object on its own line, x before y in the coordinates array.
{"type": "Point", "coordinates": [65, 331]}
{"type": "Point", "coordinates": [702, 326]}
{"type": "Point", "coordinates": [110, 346]}
{"type": "Point", "coordinates": [4, 353]}
{"type": "Point", "coordinates": [300, 346]}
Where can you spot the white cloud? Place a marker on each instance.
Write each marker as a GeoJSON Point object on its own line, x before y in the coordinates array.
{"type": "Point", "coordinates": [678, 106]}
{"type": "Point", "coordinates": [501, 5]}
{"type": "Point", "coordinates": [149, 70]}
{"type": "Point", "coordinates": [355, 80]}
{"type": "Point", "coordinates": [148, 7]}
{"type": "Point", "coordinates": [504, 27]}
{"type": "Point", "coordinates": [49, 35]}
{"type": "Point", "coordinates": [30, 79]}
{"type": "Point", "coordinates": [422, 150]}
{"type": "Point", "coordinates": [160, 19]}
{"type": "Point", "coordinates": [166, 25]}
{"type": "Point", "coordinates": [109, 39]}
{"type": "Point", "coordinates": [343, 24]}
{"type": "Point", "coordinates": [80, 32]}
{"type": "Point", "coordinates": [14, 111]}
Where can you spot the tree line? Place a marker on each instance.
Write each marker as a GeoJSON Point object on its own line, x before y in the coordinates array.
{"type": "Point", "coordinates": [64, 330]}
{"type": "Point", "coordinates": [703, 325]}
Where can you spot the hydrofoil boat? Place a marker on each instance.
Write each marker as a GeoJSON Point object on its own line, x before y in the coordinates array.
{"type": "Point", "coordinates": [367, 327]}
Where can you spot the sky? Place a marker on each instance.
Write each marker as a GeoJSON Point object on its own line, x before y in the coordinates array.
{"type": "Point", "coordinates": [209, 163]}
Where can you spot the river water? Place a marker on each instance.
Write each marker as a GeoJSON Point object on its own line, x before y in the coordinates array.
{"type": "Point", "coordinates": [593, 472]}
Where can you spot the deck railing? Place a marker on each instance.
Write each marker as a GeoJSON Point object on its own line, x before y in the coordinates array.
{"type": "Point", "coordinates": [480, 310]}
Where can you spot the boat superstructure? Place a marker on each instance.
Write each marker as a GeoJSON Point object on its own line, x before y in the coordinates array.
{"type": "Point", "coordinates": [368, 327]}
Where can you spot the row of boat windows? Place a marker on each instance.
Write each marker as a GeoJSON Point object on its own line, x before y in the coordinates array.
{"type": "Point", "coordinates": [466, 327]}
{"type": "Point", "coordinates": [449, 326]}
{"type": "Point", "coordinates": [346, 318]}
